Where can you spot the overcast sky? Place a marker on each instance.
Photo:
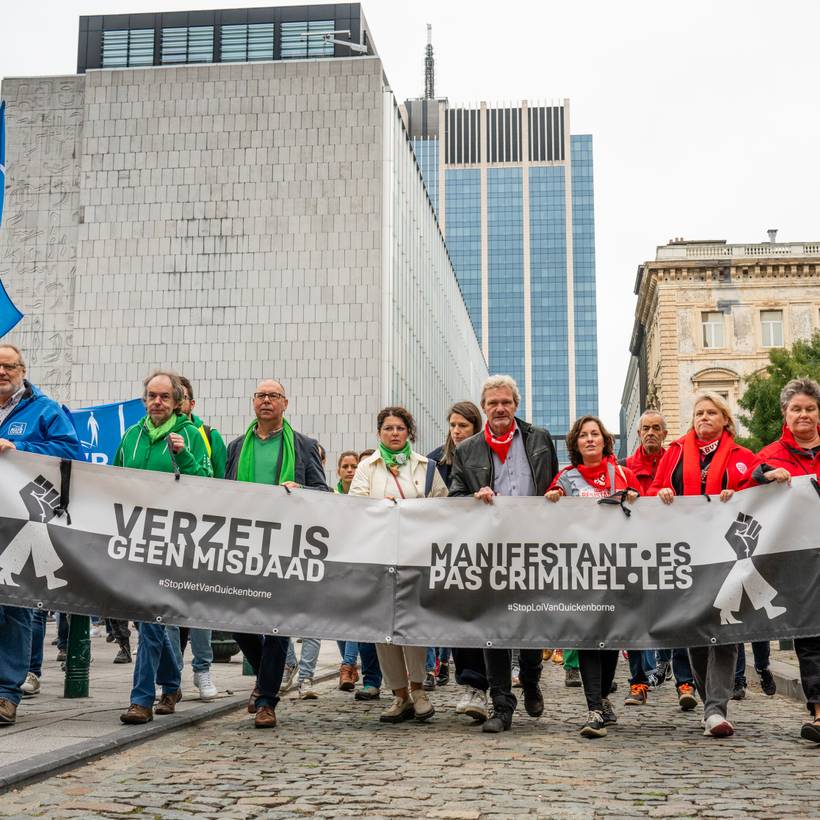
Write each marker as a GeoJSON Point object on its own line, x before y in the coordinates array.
{"type": "Point", "coordinates": [704, 115]}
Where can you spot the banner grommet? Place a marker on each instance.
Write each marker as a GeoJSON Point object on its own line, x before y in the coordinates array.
{"type": "Point", "coordinates": [39, 604]}
{"type": "Point", "coordinates": [391, 570]}
{"type": "Point", "coordinates": [712, 641]}
{"type": "Point", "coordinates": [159, 619]}
{"type": "Point", "coordinates": [388, 639]}
{"type": "Point", "coordinates": [275, 630]}
{"type": "Point", "coordinates": [601, 645]}
{"type": "Point", "coordinates": [488, 644]}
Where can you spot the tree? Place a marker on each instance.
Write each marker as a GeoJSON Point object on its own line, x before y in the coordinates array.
{"type": "Point", "coordinates": [762, 396]}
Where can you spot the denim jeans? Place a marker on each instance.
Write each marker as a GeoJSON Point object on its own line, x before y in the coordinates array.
{"type": "Point", "coordinates": [371, 671]}
{"type": "Point", "coordinates": [349, 650]}
{"type": "Point", "coordinates": [641, 663]}
{"type": "Point", "coordinates": [430, 662]}
{"type": "Point", "coordinates": [309, 656]}
{"type": "Point", "coordinates": [156, 664]}
{"type": "Point", "coordinates": [38, 637]}
{"type": "Point", "coordinates": [681, 667]}
{"type": "Point", "coordinates": [15, 650]}
{"type": "Point", "coordinates": [203, 653]}
{"type": "Point", "coordinates": [761, 651]}
{"type": "Point", "coordinates": [266, 654]}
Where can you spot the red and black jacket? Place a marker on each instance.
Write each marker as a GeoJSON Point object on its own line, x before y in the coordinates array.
{"type": "Point", "coordinates": [785, 452]}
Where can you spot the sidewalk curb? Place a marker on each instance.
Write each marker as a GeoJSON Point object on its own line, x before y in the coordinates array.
{"type": "Point", "coordinates": [785, 676]}
{"type": "Point", "coordinates": [52, 763]}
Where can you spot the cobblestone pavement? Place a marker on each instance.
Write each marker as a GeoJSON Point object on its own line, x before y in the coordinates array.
{"type": "Point", "coordinates": [330, 757]}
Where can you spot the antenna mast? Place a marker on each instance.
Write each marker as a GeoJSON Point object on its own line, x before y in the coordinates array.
{"type": "Point", "coordinates": [429, 67]}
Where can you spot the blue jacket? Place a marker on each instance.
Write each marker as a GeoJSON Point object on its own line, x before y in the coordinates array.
{"type": "Point", "coordinates": [39, 425]}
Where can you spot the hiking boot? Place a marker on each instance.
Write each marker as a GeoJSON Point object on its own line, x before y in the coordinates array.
{"type": "Point", "coordinates": [168, 703]}
{"type": "Point", "coordinates": [767, 682]}
{"type": "Point", "coordinates": [534, 701]}
{"type": "Point", "coordinates": [306, 690]}
{"type": "Point", "coordinates": [287, 679]}
{"type": "Point", "coordinates": [252, 701]}
{"type": "Point", "coordinates": [443, 677]}
{"type": "Point", "coordinates": [400, 709]}
{"type": "Point", "coordinates": [265, 717]}
{"type": "Point", "coordinates": [638, 695]}
{"type": "Point", "coordinates": [608, 712]}
{"type": "Point", "coordinates": [546, 654]}
{"type": "Point", "coordinates": [595, 726]}
{"type": "Point", "coordinates": [498, 722]}
{"type": "Point", "coordinates": [558, 657]}
{"type": "Point", "coordinates": [717, 726]}
{"type": "Point", "coordinates": [30, 686]}
{"type": "Point", "coordinates": [367, 693]}
{"type": "Point", "coordinates": [423, 709]}
{"type": "Point", "coordinates": [465, 700]}
{"type": "Point", "coordinates": [572, 677]}
{"type": "Point", "coordinates": [686, 697]}
{"type": "Point", "coordinates": [429, 681]}
{"type": "Point", "coordinates": [739, 692]}
{"type": "Point", "coordinates": [136, 714]}
{"type": "Point", "coordinates": [206, 686]}
{"type": "Point", "coordinates": [347, 677]}
{"type": "Point", "coordinates": [124, 655]}
{"type": "Point", "coordinates": [8, 712]}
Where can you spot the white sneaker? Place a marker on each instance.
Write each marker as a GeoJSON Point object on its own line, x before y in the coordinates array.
{"type": "Point", "coordinates": [287, 679]}
{"type": "Point", "coordinates": [203, 682]}
{"type": "Point", "coordinates": [477, 708]}
{"type": "Point", "coordinates": [306, 690]}
{"type": "Point", "coordinates": [96, 631]}
{"type": "Point", "coordinates": [465, 700]}
{"type": "Point", "coordinates": [30, 686]}
{"type": "Point", "coordinates": [717, 726]}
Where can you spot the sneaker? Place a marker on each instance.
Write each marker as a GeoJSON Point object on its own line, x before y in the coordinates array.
{"type": "Point", "coordinates": [516, 683]}
{"type": "Point", "coordinates": [534, 701]}
{"type": "Point", "coordinates": [443, 677]}
{"type": "Point", "coordinates": [31, 685]}
{"type": "Point", "coordinates": [400, 709]}
{"type": "Point", "coordinates": [306, 690]}
{"type": "Point", "coordinates": [423, 709]}
{"type": "Point", "coordinates": [287, 679]}
{"type": "Point", "coordinates": [810, 730]}
{"type": "Point", "coordinates": [767, 682]}
{"type": "Point", "coordinates": [498, 722]}
{"type": "Point", "coordinates": [595, 726]}
{"type": "Point", "coordinates": [203, 682]}
{"type": "Point", "coordinates": [558, 657]}
{"type": "Point", "coordinates": [638, 695]}
{"type": "Point", "coordinates": [659, 674]}
{"type": "Point", "coordinates": [95, 632]}
{"type": "Point", "coordinates": [686, 697]}
{"type": "Point", "coordinates": [477, 707]}
{"type": "Point", "coordinates": [465, 700]}
{"type": "Point", "coordinates": [61, 655]}
{"type": "Point", "coordinates": [124, 655]}
{"type": "Point", "coordinates": [739, 692]}
{"type": "Point", "coordinates": [367, 693]}
{"type": "Point", "coordinates": [717, 726]}
{"type": "Point", "coordinates": [608, 712]}
{"type": "Point", "coordinates": [572, 677]}
{"type": "Point", "coordinates": [429, 681]}
{"type": "Point", "coordinates": [109, 638]}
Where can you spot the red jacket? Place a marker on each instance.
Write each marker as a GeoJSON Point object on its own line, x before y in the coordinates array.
{"type": "Point", "coordinates": [738, 474]}
{"type": "Point", "coordinates": [644, 467]}
{"type": "Point", "coordinates": [785, 452]}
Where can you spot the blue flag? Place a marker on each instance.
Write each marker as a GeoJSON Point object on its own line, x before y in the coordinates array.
{"type": "Point", "coordinates": [2, 156]}
{"type": "Point", "coordinates": [9, 315]}
{"type": "Point", "coordinates": [101, 428]}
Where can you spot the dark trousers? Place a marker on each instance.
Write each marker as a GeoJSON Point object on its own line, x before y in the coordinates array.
{"type": "Point", "coordinates": [498, 663]}
{"type": "Point", "coordinates": [470, 668]}
{"type": "Point", "coordinates": [597, 673]}
{"type": "Point", "coordinates": [808, 656]}
{"type": "Point", "coordinates": [266, 654]}
{"type": "Point", "coordinates": [62, 632]}
{"type": "Point", "coordinates": [761, 651]}
{"type": "Point", "coordinates": [38, 637]}
{"type": "Point", "coordinates": [120, 631]}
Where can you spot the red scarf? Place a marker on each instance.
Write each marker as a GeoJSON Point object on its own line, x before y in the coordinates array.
{"type": "Point", "coordinates": [499, 445]}
{"type": "Point", "coordinates": [598, 476]}
{"type": "Point", "coordinates": [693, 449]}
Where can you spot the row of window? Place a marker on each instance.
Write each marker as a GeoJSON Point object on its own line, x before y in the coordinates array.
{"type": "Point", "coordinates": [127, 48]}
{"type": "Point", "coordinates": [713, 327]}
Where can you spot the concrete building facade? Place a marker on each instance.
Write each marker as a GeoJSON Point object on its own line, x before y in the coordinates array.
{"type": "Point", "coordinates": [708, 313]}
{"type": "Point", "coordinates": [233, 221]}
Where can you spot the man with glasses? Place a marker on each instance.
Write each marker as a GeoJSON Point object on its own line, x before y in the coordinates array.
{"type": "Point", "coordinates": [34, 423]}
{"type": "Point", "coordinates": [271, 452]}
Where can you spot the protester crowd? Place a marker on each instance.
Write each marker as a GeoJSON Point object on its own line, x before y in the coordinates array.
{"type": "Point", "coordinates": [503, 456]}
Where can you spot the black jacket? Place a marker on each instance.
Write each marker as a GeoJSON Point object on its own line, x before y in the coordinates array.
{"type": "Point", "coordinates": [473, 461]}
{"type": "Point", "coordinates": [308, 470]}
{"type": "Point", "coordinates": [444, 470]}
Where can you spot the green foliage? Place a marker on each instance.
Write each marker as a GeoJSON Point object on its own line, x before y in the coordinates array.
{"type": "Point", "coordinates": [762, 397]}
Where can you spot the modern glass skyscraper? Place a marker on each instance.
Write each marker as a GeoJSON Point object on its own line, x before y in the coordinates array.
{"type": "Point", "coordinates": [513, 192]}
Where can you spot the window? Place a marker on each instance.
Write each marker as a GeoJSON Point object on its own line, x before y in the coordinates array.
{"type": "Point", "coordinates": [188, 44]}
{"type": "Point", "coordinates": [295, 46]}
{"type": "Point", "coordinates": [712, 322]}
{"type": "Point", "coordinates": [771, 326]}
{"type": "Point", "coordinates": [125, 48]}
{"type": "Point", "coordinates": [246, 43]}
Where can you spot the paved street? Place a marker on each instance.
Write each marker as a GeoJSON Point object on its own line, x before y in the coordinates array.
{"type": "Point", "coordinates": [330, 757]}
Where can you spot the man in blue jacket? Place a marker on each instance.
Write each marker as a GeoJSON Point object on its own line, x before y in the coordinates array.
{"type": "Point", "coordinates": [34, 423]}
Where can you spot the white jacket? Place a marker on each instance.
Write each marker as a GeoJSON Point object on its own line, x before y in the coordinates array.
{"type": "Point", "coordinates": [373, 479]}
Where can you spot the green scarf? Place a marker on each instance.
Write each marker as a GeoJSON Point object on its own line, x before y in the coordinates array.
{"type": "Point", "coordinates": [340, 487]}
{"type": "Point", "coordinates": [156, 433]}
{"type": "Point", "coordinates": [390, 456]}
{"type": "Point", "coordinates": [244, 470]}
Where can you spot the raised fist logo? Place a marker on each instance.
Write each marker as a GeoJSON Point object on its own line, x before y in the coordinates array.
{"type": "Point", "coordinates": [743, 535]}
{"type": "Point", "coordinates": [41, 499]}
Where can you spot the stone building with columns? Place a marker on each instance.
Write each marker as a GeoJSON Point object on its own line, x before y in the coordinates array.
{"type": "Point", "coordinates": [708, 313]}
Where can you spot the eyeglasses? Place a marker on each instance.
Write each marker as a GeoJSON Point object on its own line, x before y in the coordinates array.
{"type": "Point", "coordinates": [10, 368]}
{"type": "Point", "coordinates": [270, 396]}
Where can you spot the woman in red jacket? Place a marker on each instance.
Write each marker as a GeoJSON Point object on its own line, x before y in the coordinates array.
{"type": "Point", "coordinates": [798, 451]}
{"type": "Point", "coordinates": [708, 461]}
{"type": "Point", "coordinates": [594, 473]}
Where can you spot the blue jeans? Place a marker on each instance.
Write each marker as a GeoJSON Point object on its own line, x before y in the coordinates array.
{"type": "Point", "coordinates": [155, 663]}
{"type": "Point", "coordinates": [641, 663]}
{"type": "Point", "coordinates": [761, 651]}
{"type": "Point", "coordinates": [38, 637]}
{"type": "Point", "coordinates": [349, 650]}
{"type": "Point", "coordinates": [201, 649]}
{"type": "Point", "coordinates": [681, 668]}
{"type": "Point", "coordinates": [430, 663]}
{"type": "Point", "coordinates": [371, 671]}
{"type": "Point", "coordinates": [15, 650]}
{"type": "Point", "coordinates": [307, 662]}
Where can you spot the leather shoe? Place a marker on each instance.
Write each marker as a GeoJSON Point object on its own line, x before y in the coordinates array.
{"type": "Point", "coordinates": [265, 718]}
{"type": "Point", "coordinates": [534, 702]}
{"type": "Point", "coordinates": [137, 714]}
{"type": "Point", "coordinates": [498, 722]}
{"type": "Point", "coordinates": [8, 712]}
{"type": "Point", "coordinates": [252, 701]}
{"type": "Point", "coordinates": [167, 703]}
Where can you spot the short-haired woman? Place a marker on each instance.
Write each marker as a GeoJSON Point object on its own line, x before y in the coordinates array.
{"type": "Point", "coordinates": [594, 473]}
{"type": "Point", "coordinates": [395, 471]}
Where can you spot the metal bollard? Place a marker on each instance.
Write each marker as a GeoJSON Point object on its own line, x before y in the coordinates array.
{"type": "Point", "coordinates": [78, 657]}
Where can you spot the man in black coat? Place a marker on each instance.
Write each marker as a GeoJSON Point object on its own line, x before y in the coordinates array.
{"type": "Point", "coordinates": [271, 452]}
{"type": "Point", "coordinates": [508, 457]}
